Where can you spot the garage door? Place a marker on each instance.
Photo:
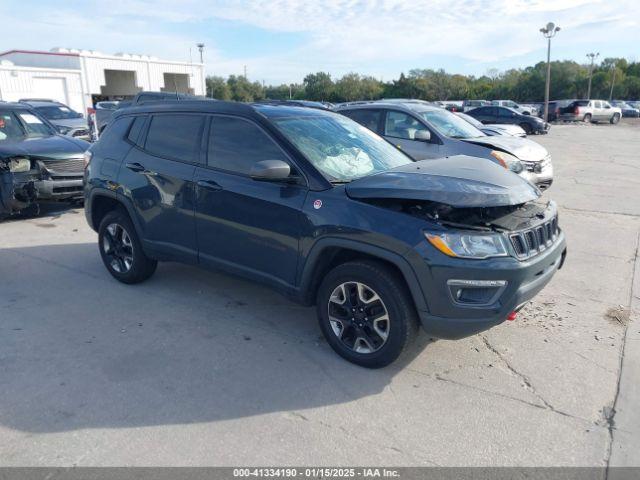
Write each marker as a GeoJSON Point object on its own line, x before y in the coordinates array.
{"type": "Point", "coordinates": [53, 88]}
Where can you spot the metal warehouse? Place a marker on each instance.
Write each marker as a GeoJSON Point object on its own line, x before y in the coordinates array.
{"type": "Point", "coordinates": [80, 78]}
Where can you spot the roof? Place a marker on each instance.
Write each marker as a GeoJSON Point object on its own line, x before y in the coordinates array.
{"type": "Point", "coordinates": [409, 105]}
{"type": "Point", "coordinates": [41, 103]}
{"type": "Point", "coordinates": [209, 106]}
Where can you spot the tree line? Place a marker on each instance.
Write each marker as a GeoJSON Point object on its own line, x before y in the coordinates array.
{"type": "Point", "coordinates": [569, 79]}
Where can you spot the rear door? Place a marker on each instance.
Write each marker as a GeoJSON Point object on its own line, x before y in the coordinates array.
{"type": "Point", "coordinates": [158, 176]}
{"type": "Point", "coordinates": [400, 129]}
{"type": "Point", "coordinates": [506, 116]}
{"type": "Point", "coordinates": [484, 114]}
{"type": "Point", "coordinates": [244, 225]}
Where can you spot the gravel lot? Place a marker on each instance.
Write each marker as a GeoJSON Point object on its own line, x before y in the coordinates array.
{"type": "Point", "coordinates": [199, 368]}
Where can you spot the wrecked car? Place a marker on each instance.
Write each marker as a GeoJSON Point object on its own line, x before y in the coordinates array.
{"type": "Point", "coordinates": [424, 131]}
{"type": "Point", "coordinates": [37, 164]}
{"type": "Point", "coordinates": [325, 211]}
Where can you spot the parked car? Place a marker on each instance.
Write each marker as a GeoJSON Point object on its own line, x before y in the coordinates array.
{"type": "Point", "coordinates": [494, 129]}
{"type": "Point", "coordinates": [634, 103]}
{"type": "Point", "coordinates": [505, 115]}
{"type": "Point", "coordinates": [428, 132]}
{"type": "Point", "coordinates": [66, 120]}
{"type": "Point", "coordinates": [554, 109]}
{"type": "Point", "coordinates": [627, 109]}
{"type": "Point", "coordinates": [324, 210]}
{"type": "Point", "coordinates": [471, 104]}
{"type": "Point", "coordinates": [37, 164]}
{"type": "Point", "coordinates": [590, 111]}
{"type": "Point", "coordinates": [523, 109]}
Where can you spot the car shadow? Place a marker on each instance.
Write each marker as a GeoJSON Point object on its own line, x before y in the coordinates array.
{"type": "Point", "coordinates": [79, 350]}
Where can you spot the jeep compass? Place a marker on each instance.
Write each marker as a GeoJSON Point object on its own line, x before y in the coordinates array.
{"type": "Point", "coordinates": [325, 211]}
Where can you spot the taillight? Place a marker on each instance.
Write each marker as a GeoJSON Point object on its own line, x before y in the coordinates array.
{"type": "Point", "coordinates": [576, 110]}
{"type": "Point", "coordinates": [87, 158]}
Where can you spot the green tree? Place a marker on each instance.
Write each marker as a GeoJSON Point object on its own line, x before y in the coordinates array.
{"type": "Point", "coordinates": [217, 88]}
{"type": "Point", "coordinates": [318, 86]}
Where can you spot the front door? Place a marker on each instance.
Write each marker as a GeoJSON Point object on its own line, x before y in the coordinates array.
{"type": "Point", "coordinates": [244, 225]}
{"type": "Point", "coordinates": [400, 129]}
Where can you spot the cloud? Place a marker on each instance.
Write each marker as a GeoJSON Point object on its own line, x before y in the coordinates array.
{"type": "Point", "coordinates": [376, 37]}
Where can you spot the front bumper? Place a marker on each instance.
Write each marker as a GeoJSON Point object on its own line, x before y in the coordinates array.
{"type": "Point", "coordinates": [449, 319]}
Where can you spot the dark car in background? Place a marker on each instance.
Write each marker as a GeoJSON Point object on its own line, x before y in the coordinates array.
{"type": "Point", "coordinates": [37, 164]}
{"type": "Point", "coordinates": [327, 212]}
{"type": "Point", "coordinates": [66, 120]}
{"type": "Point", "coordinates": [493, 129]}
{"type": "Point", "coordinates": [424, 131]}
{"type": "Point", "coordinates": [627, 109]}
{"type": "Point", "coordinates": [505, 115]}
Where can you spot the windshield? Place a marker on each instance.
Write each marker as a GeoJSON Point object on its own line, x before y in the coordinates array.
{"type": "Point", "coordinates": [55, 112]}
{"type": "Point", "coordinates": [470, 119]}
{"type": "Point", "coordinates": [15, 126]}
{"type": "Point", "coordinates": [340, 148]}
{"type": "Point", "coordinates": [450, 125]}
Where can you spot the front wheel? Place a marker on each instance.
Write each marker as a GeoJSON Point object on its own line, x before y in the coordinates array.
{"type": "Point", "coordinates": [366, 313]}
{"type": "Point", "coordinates": [527, 128]}
{"type": "Point", "coordinates": [121, 250]}
{"type": "Point", "coordinates": [615, 119]}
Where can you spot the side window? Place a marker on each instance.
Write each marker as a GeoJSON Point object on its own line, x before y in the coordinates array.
{"type": "Point", "coordinates": [236, 145]}
{"type": "Point", "coordinates": [401, 125]}
{"type": "Point", "coordinates": [505, 113]}
{"type": "Point", "coordinates": [175, 136]}
{"type": "Point", "coordinates": [115, 130]}
{"type": "Point", "coordinates": [597, 104]}
{"type": "Point", "coordinates": [366, 118]}
{"type": "Point", "coordinates": [136, 128]}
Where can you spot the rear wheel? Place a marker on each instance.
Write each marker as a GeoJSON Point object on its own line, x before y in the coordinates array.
{"type": "Point", "coordinates": [526, 127]}
{"type": "Point", "coordinates": [615, 119]}
{"type": "Point", "coordinates": [121, 250]}
{"type": "Point", "coordinates": [366, 313]}
{"type": "Point", "coordinates": [587, 118]}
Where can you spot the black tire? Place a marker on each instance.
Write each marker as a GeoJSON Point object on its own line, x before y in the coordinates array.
{"type": "Point", "coordinates": [140, 267]}
{"type": "Point", "coordinates": [402, 324]}
{"type": "Point", "coordinates": [527, 128]}
{"type": "Point", "coordinates": [587, 118]}
{"type": "Point", "coordinates": [615, 119]}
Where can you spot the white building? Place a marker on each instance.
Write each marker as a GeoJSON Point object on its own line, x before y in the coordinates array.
{"type": "Point", "coordinates": [79, 78]}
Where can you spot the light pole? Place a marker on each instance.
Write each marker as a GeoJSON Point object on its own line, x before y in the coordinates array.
{"type": "Point", "coordinates": [549, 32]}
{"type": "Point", "coordinates": [592, 56]}
{"type": "Point", "coordinates": [201, 49]}
{"type": "Point", "coordinates": [613, 80]}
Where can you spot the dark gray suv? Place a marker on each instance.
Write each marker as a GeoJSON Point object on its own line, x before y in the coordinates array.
{"type": "Point", "coordinates": [325, 211]}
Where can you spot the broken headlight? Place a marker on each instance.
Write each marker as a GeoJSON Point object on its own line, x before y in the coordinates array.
{"type": "Point", "coordinates": [469, 245]}
{"type": "Point", "coordinates": [508, 161]}
{"type": "Point", "coordinates": [19, 165]}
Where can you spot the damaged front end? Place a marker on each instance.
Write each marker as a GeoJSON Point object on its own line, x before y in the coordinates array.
{"type": "Point", "coordinates": [17, 190]}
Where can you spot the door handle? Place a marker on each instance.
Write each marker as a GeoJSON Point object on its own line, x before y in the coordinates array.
{"type": "Point", "coordinates": [209, 185]}
{"type": "Point", "coordinates": [135, 167]}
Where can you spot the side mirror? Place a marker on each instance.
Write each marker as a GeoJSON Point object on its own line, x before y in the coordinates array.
{"type": "Point", "coordinates": [422, 135]}
{"type": "Point", "coordinates": [526, 113]}
{"type": "Point", "coordinates": [607, 106]}
{"type": "Point", "coordinates": [270, 170]}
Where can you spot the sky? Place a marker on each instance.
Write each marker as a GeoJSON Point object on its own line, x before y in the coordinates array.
{"type": "Point", "coordinates": [280, 41]}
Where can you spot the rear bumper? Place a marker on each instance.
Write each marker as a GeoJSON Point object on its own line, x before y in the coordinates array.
{"type": "Point", "coordinates": [523, 280]}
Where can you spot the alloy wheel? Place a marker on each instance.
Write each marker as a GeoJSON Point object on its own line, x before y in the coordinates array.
{"type": "Point", "coordinates": [118, 248]}
{"type": "Point", "coordinates": [358, 317]}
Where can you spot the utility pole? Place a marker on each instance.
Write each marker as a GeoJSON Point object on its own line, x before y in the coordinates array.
{"type": "Point", "coordinates": [201, 48]}
{"type": "Point", "coordinates": [245, 72]}
{"type": "Point", "coordinates": [613, 81]}
{"type": "Point", "coordinates": [289, 91]}
{"type": "Point", "coordinates": [592, 56]}
{"type": "Point", "coordinates": [549, 32]}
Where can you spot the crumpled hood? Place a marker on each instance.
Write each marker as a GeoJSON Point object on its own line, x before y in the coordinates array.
{"type": "Point", "coordinates": [460, 181]}
{"type": "Point", "coordinates": [56, 147]}
{"type": "Point", "coordinates": [522, 148]}
{"type": "Point", "coordinates": [511, 129]}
